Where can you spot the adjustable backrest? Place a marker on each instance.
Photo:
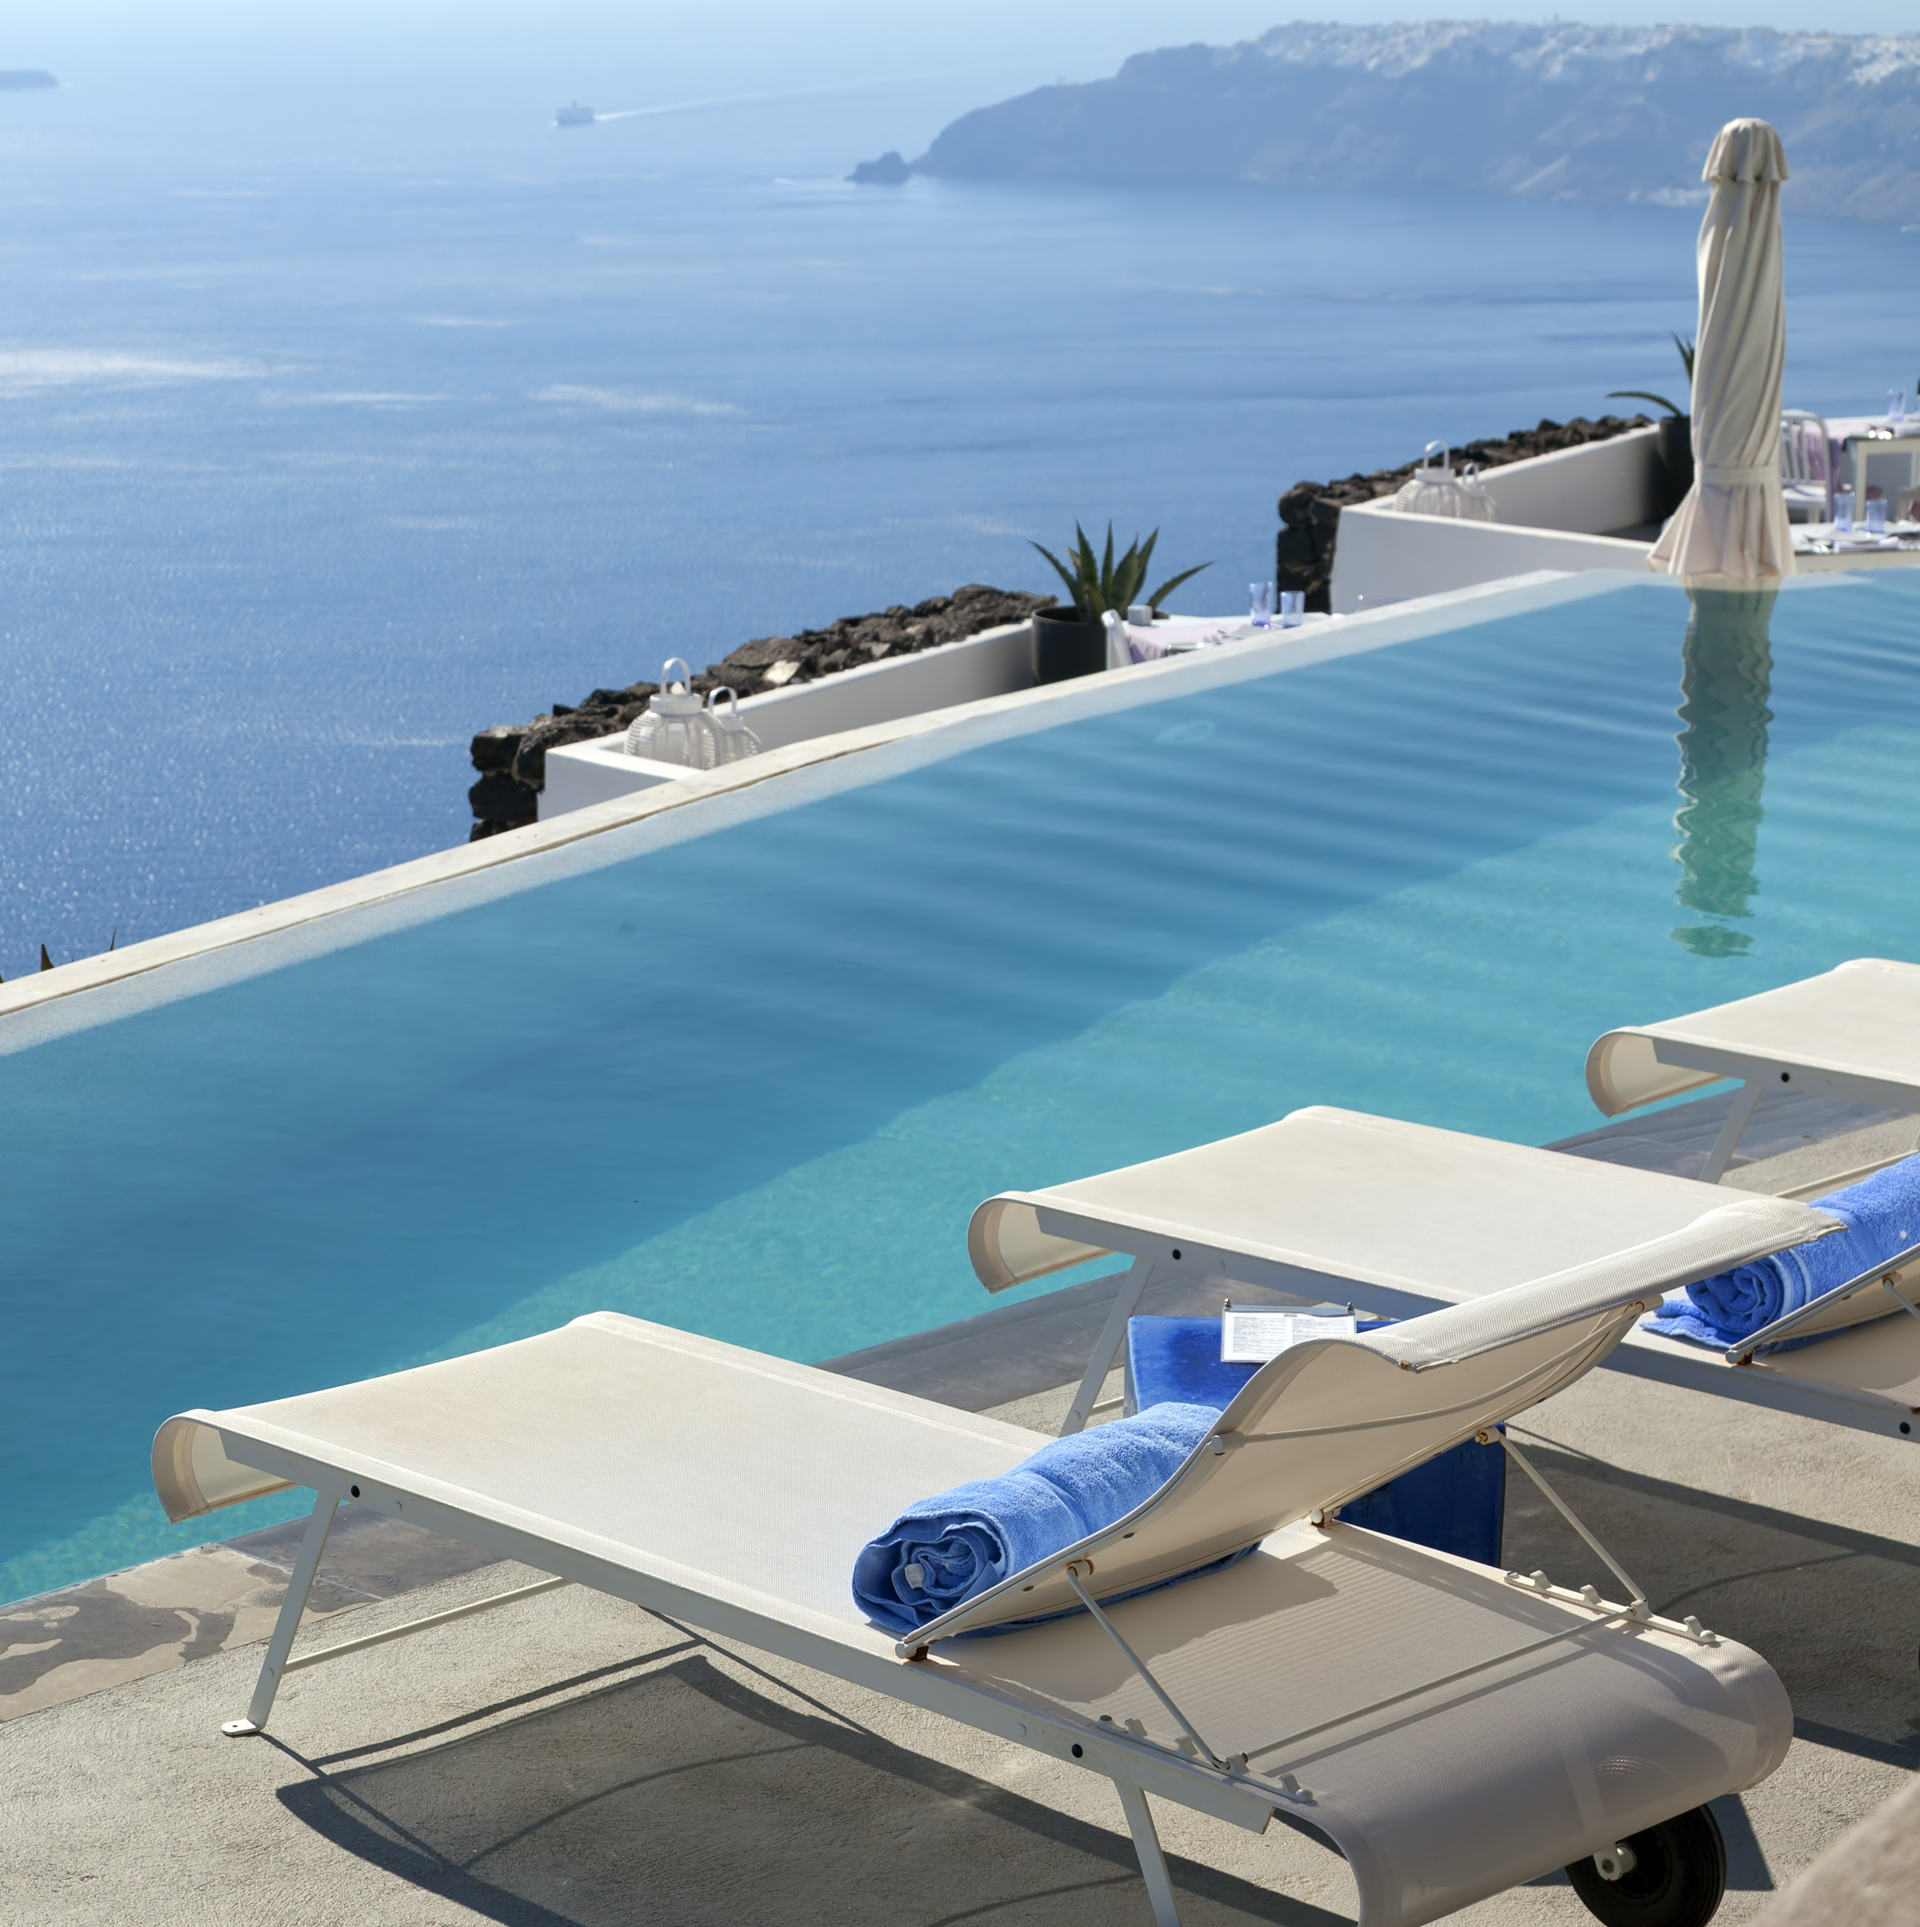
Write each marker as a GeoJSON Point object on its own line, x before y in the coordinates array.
{"type": "Point", "coordinates": [1333, 1418]}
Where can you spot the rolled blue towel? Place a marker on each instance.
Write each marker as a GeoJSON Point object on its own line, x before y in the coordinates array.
{"type": "Point", "coordinates": [1882, 1216]}
{"type": "Point", "coordinates": [942, 1551]}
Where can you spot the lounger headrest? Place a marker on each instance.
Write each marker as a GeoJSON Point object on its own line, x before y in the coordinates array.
{"type": "Point", "coordinates": [1856, 1018]}
{"type": "Point", "coordinates": [1327, 1197]}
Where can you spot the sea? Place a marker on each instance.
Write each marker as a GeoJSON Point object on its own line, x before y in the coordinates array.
{"type": "Point", "coordinates": [348, 407]}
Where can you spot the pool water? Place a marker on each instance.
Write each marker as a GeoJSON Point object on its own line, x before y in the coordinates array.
{"type": "Point", "coordinates": [752, 1081]}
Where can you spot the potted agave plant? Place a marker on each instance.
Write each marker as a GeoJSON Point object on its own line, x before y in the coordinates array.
{"type": "Point", "coordinates": [1676, 429]}
{"type": "Point", "coordinates": [1070, 640]}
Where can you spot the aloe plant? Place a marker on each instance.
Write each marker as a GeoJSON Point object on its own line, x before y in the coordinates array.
{"type": "Point", "coordinates": [1097, 583]}
{"type": "Point", "coordinates": [1684, 344]}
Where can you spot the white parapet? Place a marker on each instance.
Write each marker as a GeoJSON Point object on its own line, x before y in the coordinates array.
{"type": "Point", "coordinates": [1556, 512]}
{"type": "Point", "coordinates": [1385, 556]}
{"type": "Point", "coordinates": [992, 663]}
{"type": "Point", "coordinates": [1596, 489]}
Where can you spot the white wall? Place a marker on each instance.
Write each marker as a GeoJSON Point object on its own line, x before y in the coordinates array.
{"type": "Point", "coordinates": [1583, 491]}
{"type": "Point", "coordinates": [990, 664]}
{"type": "Point", "coordinates": [1554, 511]}
{"type": "Point", "coordinates": [1384, 556]}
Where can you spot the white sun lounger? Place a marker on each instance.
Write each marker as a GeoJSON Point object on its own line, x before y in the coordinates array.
{"type": "Point", "coordinates": [1451, 1730]}
{"type": "Point", "coordinates": [1400, 1218]}
{"type": "Point", "coordinates": [1851, 1033]}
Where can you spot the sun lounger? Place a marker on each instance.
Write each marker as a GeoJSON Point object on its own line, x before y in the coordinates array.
{"type": "Point", "coordinates": [1852, 1033]}
{"type": "Point", "coordinates": [1451, 1730]}
{"type": "Point", "coordinates": [1400, 1218]}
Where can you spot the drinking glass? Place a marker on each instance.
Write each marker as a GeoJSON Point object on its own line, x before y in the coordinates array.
{"type": "Point", "coordinates": [1876, 515]}
{"type": "Point", "coordinates": [1261, 596]}
{"type": "Point", "coordinates": [1293, 607]}
{"type": "Point", "coordinates": [1843, 509]}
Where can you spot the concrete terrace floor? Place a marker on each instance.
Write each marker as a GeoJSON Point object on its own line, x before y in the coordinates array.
{"type": "Point", "coordinates": [569, 1759]}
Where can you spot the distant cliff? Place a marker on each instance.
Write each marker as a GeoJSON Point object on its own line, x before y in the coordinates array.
{"type": "Point", "coordinates": [1557, 111]}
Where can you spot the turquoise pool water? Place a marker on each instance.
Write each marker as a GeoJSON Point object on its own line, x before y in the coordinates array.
{"type": "Point", "coordinates": [752, 1082]}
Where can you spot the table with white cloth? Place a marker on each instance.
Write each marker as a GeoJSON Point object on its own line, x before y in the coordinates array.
{"type": "Point", "coordinates": [1181, 635]}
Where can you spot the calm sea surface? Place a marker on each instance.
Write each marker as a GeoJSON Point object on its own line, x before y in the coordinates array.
{"type": "Point", "coordinates": [312, 465]}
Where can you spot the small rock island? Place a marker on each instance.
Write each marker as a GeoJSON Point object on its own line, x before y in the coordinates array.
{"type": "Point", "coordinates": [890, 170]}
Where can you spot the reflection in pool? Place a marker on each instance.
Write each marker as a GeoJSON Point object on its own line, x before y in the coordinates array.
{"type": "Point", "coordinates": [1725, 673]}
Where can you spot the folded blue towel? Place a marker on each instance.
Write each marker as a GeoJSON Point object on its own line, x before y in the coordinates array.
{"type": "Point", "coordinates": [944, 1550]}
{"type": "Point", "coordinates": [1882, 1216]}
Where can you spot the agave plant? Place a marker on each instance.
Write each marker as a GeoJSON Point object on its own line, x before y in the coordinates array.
{"type": "Point", "coordinates": [1684, 344]}
{"type": "Point", "coordinates": [1097, 583]}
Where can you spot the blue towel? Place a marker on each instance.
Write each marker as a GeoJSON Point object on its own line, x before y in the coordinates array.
{"type": "Point", "coordinates": [1882, 1216]}
{"type": "Point", "coordinates": [944, 1550]}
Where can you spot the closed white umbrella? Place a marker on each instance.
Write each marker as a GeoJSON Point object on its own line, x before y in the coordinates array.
{"type": "Point", "coordinates": [1733, 523]}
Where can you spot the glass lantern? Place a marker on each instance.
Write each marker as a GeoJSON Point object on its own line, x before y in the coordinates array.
{"type": "Point", "coordinates": [733, 740]}
{"type": "Point", "coordinates": [1436, 490]}
{"type": "Point", "coordinates": [673, 728]}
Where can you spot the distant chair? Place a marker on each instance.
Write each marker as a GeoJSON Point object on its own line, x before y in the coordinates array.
{"type": "Point", "coordinates": [1806, 466]}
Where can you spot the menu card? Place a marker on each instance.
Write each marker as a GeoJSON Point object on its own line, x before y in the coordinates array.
{"type": "Point", "coordinates": [1252, 1334]}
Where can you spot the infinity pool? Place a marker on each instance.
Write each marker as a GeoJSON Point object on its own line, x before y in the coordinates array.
{"type": "Point", "coordinates": [746, 1067]}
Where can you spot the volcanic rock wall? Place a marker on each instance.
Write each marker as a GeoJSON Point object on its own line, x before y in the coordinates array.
{"type": "Point", "coordinates": [512, 757]}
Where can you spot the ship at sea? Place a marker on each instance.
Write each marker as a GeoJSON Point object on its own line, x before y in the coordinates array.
{"type": "Point", "coordinates": [573, 115]}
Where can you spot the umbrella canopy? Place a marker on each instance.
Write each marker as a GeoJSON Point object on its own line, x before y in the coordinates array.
{"type": "Point", "coordinates": [1733, 523]}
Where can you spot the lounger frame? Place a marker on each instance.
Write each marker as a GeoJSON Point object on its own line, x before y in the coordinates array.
{"type": "Point", "coordinates": [1236, 1790]}
{"type": "Point", "coordinates": [1135, 1765]}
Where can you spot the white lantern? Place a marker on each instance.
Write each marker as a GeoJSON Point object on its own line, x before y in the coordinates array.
{"type": "Point", "coordinates": [1435, 490]}
{"type": "Point", "coordinates": [673, 728]}
{"type": "Point", "coordinates": [733, 740]}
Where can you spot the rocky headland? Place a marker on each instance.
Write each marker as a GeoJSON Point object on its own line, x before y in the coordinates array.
{"type": "Point", "coordinates": [512, 758]}
{"type": "Point", "coordinates": [1556, 111]}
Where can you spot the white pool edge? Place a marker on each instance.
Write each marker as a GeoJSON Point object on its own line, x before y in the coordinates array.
{"type": "Point", "coordinates": [96, 990]}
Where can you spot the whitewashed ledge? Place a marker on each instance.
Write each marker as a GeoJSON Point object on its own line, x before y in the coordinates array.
{"type": "Point", "coordinates": [154, 1617]}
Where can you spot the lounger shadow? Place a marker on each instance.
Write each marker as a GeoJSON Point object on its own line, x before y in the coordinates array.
{"type": "Point", "coordinates": [685, 1797]}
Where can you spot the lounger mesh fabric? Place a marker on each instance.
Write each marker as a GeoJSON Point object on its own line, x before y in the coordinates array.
{"type": "Point", "coordinates": [734, 1491]}
{"type": "Point", "coordinates": [1860, 1021]}
{"type": "Point", "coordinates": [1342, 1197]}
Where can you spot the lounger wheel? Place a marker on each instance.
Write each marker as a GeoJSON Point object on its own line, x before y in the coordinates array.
{"type": "Point", "coordinates": [1671, 1875]}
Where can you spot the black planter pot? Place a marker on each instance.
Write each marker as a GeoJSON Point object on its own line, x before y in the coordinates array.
{"type": "Point", "coordinates": [1064, 646]}
{"type": "Point", "coordinates": [1676, 459]}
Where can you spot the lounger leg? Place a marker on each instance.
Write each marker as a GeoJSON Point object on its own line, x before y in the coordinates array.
{"type": "Point", "coordinates": [1721, 1155]}
{"type": "Point", "coordinates": [1153, 1863]}
{"type": "Point", "coordinates": [295, 1603]}
{"type": "Point", "coordinates": [1112, 1336]}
